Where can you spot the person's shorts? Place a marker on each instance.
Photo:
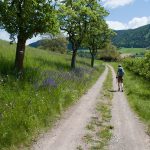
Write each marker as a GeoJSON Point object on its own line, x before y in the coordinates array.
{"type": "Point", "coordinates": [120, 79]}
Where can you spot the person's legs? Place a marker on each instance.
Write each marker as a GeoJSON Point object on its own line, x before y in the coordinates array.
{"type": "Point", "coordinates": [119, 81]}
{"type": "Point", "coordinates": [120, 84]}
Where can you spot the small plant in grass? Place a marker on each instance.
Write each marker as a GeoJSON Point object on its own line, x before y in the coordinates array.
{"type": "Point", "coordinates": [79, 147]}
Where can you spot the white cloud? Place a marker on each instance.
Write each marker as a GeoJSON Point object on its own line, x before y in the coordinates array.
{"type": "Point", "coordinates": [116, 25]}
{"type": "Point", "coordinates": [132, 24]}
{"type": "Point", "coordinates": [116, 3]}
{"type": "Point", "coordinates": [34, 39]}
{"type": "Point", "coordinates": [5, 36]}
{"type": "Point", "coordinates": [137, 22]}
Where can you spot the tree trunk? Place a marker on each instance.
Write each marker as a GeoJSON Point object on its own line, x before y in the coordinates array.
{"type": "Point", "coordinates": [92, 60]}
{"type": "Point", "coordinates": [20, 50]}
{"type": "Point", "coordinates": [73, 61]}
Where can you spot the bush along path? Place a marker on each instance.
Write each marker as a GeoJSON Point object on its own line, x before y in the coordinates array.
{"type": "Point", "coordinates": [129, 133]}
{"type": "Point", "coordinates": [99, 129]}
{"type": "Point", "coordinates": [67, 133]}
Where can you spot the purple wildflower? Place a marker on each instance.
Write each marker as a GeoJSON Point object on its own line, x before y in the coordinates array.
{"type": "Point", "coordinates": [49, 82]}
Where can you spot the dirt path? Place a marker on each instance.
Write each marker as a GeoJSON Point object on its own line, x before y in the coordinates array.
{"type": "Point", "coordinates": [68, 132]}
{"type": "Point", "coordinates": [129, 133]}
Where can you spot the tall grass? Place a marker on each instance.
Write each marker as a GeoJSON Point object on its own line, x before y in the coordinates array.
{"type": "Point", "coordinates": [34, 101]}
{"type": "Point", "coordinates": [138, 94]}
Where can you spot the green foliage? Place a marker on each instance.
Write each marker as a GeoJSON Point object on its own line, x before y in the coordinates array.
{"type": "Point", "coordinates": [97, 32]}
{"type": "Point", "coordinates": [76, 17]}
{"type": "Point", "coordinates": [47, 88]}
{"type": "Point", "coordinates": [109, 53]}
{"type": "Point", "coordinates": [58, 44]}
{"type": "Point", "coordinates": [72, 16]}
{"type": "Point", "coordinates": [25, 18]}
{"type": "Point", "coordinates": [28, 17]}
{"type": "Point", "coordinates": [136, 38]}
{"type": "Point", "coordinates": [140, 66]}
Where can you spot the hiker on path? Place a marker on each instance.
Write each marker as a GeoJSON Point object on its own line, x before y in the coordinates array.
{"type": "Point", "coordinates": [119, 77]}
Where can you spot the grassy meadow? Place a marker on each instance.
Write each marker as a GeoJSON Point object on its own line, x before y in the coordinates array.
{"type": "Point", "coordinates": [33, 102]}
{"type": "Point", "coordinates": [137, 90]}
{"type": "Point", "coordinates": [132, 50]}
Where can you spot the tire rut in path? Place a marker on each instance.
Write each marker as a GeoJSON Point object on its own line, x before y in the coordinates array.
{"type": "Point", "coordinates": [128, 133]}
{"type": "Point", "coordinates": [67, 134]}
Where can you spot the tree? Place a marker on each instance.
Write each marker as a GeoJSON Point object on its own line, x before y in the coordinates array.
{"type": "Point", "coordinates": [98, 36]}
{"type": "Point", "coordinates": [109, 53]}
{"type": "Point", "coordinates": [56, 44]}
{"type": "Point", "coordinates": [74, 17]}
{"type": "Point", "coordinates": [97, 31]}
{"type": "Point", "coordinates": [25, 18]}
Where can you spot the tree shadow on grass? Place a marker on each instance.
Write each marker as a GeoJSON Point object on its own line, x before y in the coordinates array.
{"type": "Point", "coordinates": [53, 64]}
{"type": "Point", "coordinates": [80, 62]}
{"type": "Point", "coordinates": [6, 66]}
{"type": "Point", "coordinates": [7, 69]}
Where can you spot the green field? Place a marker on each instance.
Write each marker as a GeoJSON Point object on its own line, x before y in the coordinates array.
{"type": "Point", "coordinates": [32, 102]}
{"type": "Point", "coordinates": [132, 50]}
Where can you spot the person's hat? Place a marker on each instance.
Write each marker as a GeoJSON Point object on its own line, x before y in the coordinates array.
{"type": "Point", "coordinates": [119, 65]}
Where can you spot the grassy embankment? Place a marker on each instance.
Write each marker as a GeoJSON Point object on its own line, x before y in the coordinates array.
{"type": "Point", "coordinates": [137, 90]}
{"type": "Point", "coordinates": [99, 129]}
{"type": "Point", "coordinates": [33, 102]}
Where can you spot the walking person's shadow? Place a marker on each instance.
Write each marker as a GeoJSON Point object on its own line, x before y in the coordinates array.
{"type": "Point", "coordinates": [113, 90]}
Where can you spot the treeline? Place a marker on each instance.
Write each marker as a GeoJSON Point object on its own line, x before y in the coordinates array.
{"type": "Point", "coordinates": [139, 66]}
{"type": "Point", "coordinates": [83, 22]}
{"type": "Point", "coordinates": [58, 44]}
{"type": "Point", "coordinates": [136, 38]}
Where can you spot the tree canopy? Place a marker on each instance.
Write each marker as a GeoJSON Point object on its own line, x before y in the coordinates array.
{"type": "Point", "coordinates": [25, 18]}
{"type": "Point", "coordinates": [75, 17]}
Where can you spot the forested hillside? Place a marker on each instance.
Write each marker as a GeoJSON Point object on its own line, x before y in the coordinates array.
{"type": "Point", "coordinates": [136, 38]}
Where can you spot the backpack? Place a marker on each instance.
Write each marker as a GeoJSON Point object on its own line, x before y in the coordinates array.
{"type": "Point", "coordinates": [120, 71]}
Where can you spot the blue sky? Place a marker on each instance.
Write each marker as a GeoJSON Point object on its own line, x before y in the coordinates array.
{"type": "Point", "coordinates": [124, 14]}
{"type": "Point", "coordinates": [127, 14]}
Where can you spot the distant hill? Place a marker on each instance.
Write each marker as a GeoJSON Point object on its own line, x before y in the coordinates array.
{"type": "Point", "coordinates": [36, 44]}
{"type": "Point", "coordinates": [136, 38]}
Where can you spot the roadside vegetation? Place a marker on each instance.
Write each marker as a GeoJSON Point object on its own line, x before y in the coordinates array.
{"type": "Point", "coordinates": [36, 85]}
{"type": "Point", "coordinates": [33, 101]}
{"type": "Point", "coordinates": [99, 129]}
{"type": "Point", "coordinates": [137, 89]}
{"type": "Point", "coordinates": [139, 66]}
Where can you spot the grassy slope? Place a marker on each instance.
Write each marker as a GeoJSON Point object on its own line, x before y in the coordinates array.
{"type": "Point", "coordinates": [138, 94]}
{"type": "Point", "coordinates": [132, 50]}
{"type": "Point", "coordinates": [47, 88]}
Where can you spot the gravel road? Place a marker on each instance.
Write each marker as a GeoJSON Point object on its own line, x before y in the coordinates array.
{"type": "Point", "coordinates": [68, 132]}
{"type": "Point", "coordinates": [129, 133]}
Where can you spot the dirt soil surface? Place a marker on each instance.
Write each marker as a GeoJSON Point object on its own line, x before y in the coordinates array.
{"type": "Point", "coordinates": [129, 133]}
{"type": "Point", "coordinates": [67, 133]}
